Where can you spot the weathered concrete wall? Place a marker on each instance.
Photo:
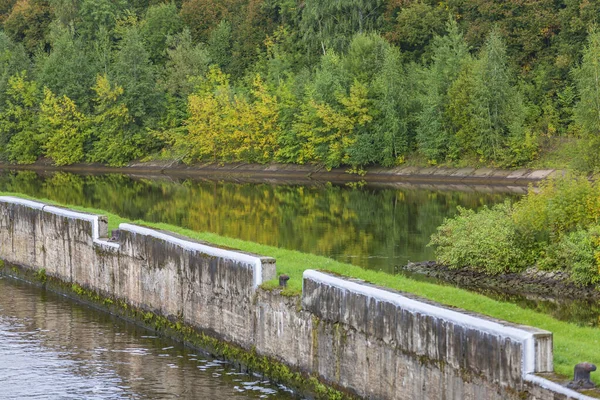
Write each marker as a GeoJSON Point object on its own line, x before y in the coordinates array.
{"type": "Point", "coordinates": [369, 341]}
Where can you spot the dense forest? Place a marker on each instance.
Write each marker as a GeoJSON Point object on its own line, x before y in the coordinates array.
{"type": "Point", "coordinates": [337, 83]}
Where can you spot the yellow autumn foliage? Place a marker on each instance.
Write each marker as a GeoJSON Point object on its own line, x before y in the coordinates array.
{"type": "Point", "coordinates": [226, 127]}
{"type": "Point", "coordinates": [63, 127]}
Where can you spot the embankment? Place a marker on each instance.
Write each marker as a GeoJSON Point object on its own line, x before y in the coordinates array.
{"type": "Point", "coordinates": [363, 340]}
{"type": "Point", "coordinates": [308, 173]}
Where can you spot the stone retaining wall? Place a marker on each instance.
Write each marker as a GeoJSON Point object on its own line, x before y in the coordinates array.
{"type": "Point", "coordinates": [368, 341]}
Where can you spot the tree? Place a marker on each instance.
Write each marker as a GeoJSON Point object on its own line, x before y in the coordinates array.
{"type": "Point", "coordinates": [365, 57]}
{"type": "Point", "coordinates": [208, 109]}
{"type": "Point", "coordinates": [112, 139]}
{"type": "Point", "coordinates": [587, 79]}
{"type": "Point", "coordinates": [63, 129]}
{"type": "Point", "coordinates": [67, 70]}
{"type": "Point", "coordinates": [488, 110]}
{"type": "Point", "coordinates": [187, 63]}
{"type": "Point", "coordinates": [392, 101]}
{"type": "Point", "coordinates": [220, 45]}
{"type": "Point", "coordinates": [417, 24]}
{"type": "Point", "coordinates": [13, 59]}
{"type": "Point", "coordinates": [587, 109]}
{"type": "Point", "coordinates": [328, 133]}
{"type": "Point", "coordinates": [97, 17]}
{"type": "Point", "coordinates": [160, 22]}
{"type": "Point", "coordinates": [450, 55]}
{"type": "Point", "coordinates": [28, 23]}
{"type": "Point", "coordinates": [19, 136]}
{"type": "Point", "coordinates": [329, 24]}
{"type": "Point", "coordinates": [134, 72]}
{"type": "Point", "coordinates": [202, 16]}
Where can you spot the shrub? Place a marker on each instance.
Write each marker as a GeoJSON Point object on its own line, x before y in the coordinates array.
{"type": "Point", "coordinates": [485, 240]}
{"type": "Point", "coordinates": [559, 207]}
{"type": "Point", "coordinates": [578, 253]}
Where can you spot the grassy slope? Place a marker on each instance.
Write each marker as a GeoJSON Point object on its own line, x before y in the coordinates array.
{"type": "Point", "coordinates": [572, 343]}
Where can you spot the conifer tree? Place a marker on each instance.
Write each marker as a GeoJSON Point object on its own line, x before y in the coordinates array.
{"type": "Point", "coordinates": [450, 54]}
{"type": "Point", "coordinates": [134, 72]}
{"type": "Point", "coordinates": [330, 24]}
{"type": "Point", "coordinates": [587, 79]}
{"type": "Point", "coordinates": [587, 109]}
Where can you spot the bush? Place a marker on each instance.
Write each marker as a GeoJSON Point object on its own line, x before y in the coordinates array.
{"type": "Point", "coordinates": [560, 206]}
{"type": "Point", "coordinates": [486, 241]}
{"type": "Point", "coordinates": [578, 253]}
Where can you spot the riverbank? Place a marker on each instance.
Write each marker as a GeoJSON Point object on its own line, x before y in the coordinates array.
{"type": "Point", "coordinates": [553, 285]}
{"type": "Point", "coordinates": [572, 343]}
{"type": "Point", "coordinates": [402, 174]}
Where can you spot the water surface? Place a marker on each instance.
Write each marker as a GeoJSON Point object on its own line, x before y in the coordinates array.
{"type": "Point", "coordinates": [54, 348]}
{"type": "Point", "coordinates": [373, 227]}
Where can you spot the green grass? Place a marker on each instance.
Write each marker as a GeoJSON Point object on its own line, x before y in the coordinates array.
{"type": "Point", "coordinates": [572, 343]}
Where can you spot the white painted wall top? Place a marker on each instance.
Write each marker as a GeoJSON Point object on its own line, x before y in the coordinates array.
{"type": "Point", "coordinates": [252, 261]}
{"type": "Point", "coordinates": [457, 318]}
{"type": "Point", "coordinates": [468, 321]}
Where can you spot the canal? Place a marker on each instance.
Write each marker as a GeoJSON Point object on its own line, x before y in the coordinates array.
{"type": "Point", "coordinates": [374, 227]}
{"type": "Point", "coordinates": [54, 348]}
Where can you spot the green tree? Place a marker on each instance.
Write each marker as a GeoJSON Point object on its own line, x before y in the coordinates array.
{"type": "Point", "coordinates": [13, 59]}
{"type": "Point", "coordinates": [112, 139]}
{"type": "Point", "coordinates": [220, 45]}
{"type": "Point", "coordinates": [416, 25]}
{"type": "Point", "coordinates": [587, 79]}
{"type": "Point", "coordinates": [97, 17]}
{"type": "Point", "coordinates": [65, 12]}
{"type": "Point", "coordinates": [28, 23]}
{"type": "Point", "coordinates": [202, 16]}
{"type": "Point", "coordinates": [187, 63]}
{"type": "Point", "coordinates": [330, 24]}
{"type": "Point", "coordinates": [393, 127]}
{"type": "Point", "coordinates": [160, 22]}
{"type": "Point", "coordinates": [587, 109]}
{"type": "Point", "coordinates": [365, 56]}
{"type": "Point", "coordinates": [67, 70]}
{"type": "Point", "coordinates": [19, 136]}
{"type": "Point", "coordinates": [134, 72]}
{"type": "Point", "coordinates": [434, 131]}
{"type": "Point", "coordinates": [492, 113]}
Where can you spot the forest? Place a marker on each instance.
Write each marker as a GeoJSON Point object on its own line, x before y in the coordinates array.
{"type": "Point", "coordinates": [347, 83]}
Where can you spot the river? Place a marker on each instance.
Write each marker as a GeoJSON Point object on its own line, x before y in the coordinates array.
{"type": "Point", "coordinates": [373, 227]}
{"type": "Point", "coordinates": [54, 348]}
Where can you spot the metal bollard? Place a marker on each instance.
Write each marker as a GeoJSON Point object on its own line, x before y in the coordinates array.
{"type": "Point", "coordinates": [581, 378]}
{"type": "Point", "coordinates": [283, 280]}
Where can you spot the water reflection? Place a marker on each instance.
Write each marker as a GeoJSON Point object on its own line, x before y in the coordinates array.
{"type": "Point", "coordinates": [374, 227]}
{"type": "Point", "coordinates": [54, 348]}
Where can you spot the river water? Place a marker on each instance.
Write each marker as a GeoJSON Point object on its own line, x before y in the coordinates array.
{"type": "Point", "coordinates": [54, 348]}
{"type": "Point", "coordinates": [374, 227]}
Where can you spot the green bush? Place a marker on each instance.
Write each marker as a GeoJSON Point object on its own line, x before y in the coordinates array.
{"type": "Point", "coordinates": [485, 240]}
{"type": "Point", "coordinates": [559, 206]}
{"type": "Point", "coordinates": [578, 254]}
{"type": "Point", "coordinates": [555, 227]}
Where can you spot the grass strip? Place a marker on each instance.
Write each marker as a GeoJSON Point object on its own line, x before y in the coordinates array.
{"type": "Point", "coordinates": [572, 343]}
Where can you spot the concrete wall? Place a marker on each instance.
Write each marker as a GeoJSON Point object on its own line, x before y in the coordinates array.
{"type": "Point", "coordinates": [369, 341]}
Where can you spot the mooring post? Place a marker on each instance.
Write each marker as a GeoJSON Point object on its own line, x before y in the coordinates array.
{"type": "Point", "coordinates": [283, 280]}
{"type": "Point", "coordinates": [581, 378]}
